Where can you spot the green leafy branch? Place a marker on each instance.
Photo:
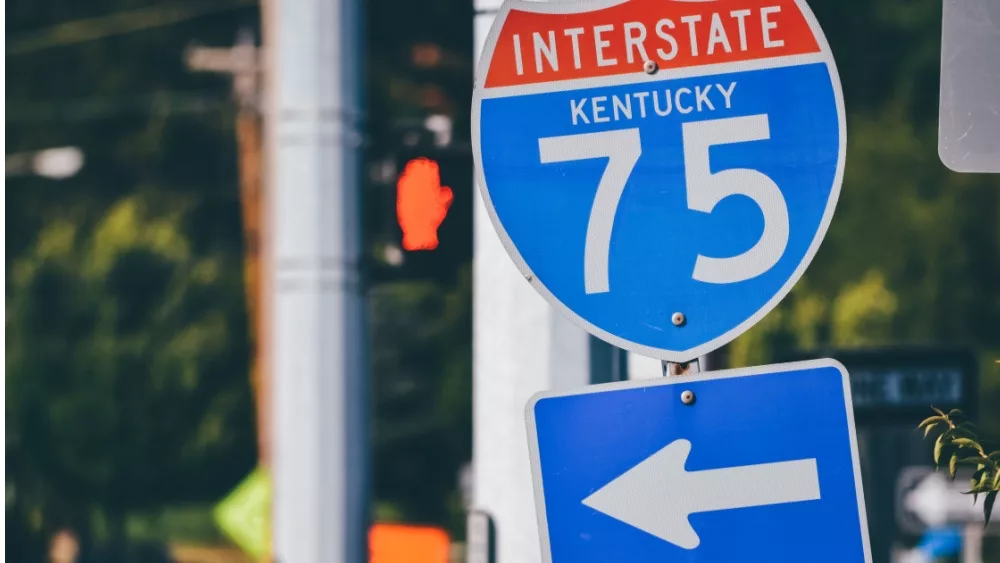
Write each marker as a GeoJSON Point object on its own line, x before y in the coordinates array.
{"type": "Point", "coordinates": [959, 445]}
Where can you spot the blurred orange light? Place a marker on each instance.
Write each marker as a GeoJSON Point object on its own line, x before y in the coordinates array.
{"type": "Point", "coordinates": [421, 203]}
{"type": "Point", "coordinates": [393, 543]}
{"type": "Point", "coordinates": [426, 55]}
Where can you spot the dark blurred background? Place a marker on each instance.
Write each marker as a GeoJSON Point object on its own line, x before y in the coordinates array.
{"type": "Point", "coordinates": [129, 399]}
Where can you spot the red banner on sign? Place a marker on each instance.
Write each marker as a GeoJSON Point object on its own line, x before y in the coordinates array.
{"type": "Point", "coordinates": [538, 47]}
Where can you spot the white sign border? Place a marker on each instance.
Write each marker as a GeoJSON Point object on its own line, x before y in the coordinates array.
{"type": "Point", "coordinates": [480, 93]}
{"type": "Point", "coordinates": [536, 465]}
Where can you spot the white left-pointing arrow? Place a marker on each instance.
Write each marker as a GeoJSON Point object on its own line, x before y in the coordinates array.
{"type": "Point", "coordinates": [658, 494]}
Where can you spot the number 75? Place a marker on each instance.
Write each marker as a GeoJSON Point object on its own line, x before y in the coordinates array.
{"type": "Point", "coordinates": [623, 147]}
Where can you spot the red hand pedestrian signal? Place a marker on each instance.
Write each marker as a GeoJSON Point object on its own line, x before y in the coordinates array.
{"type": "Point", "coordinates": [421, 203]}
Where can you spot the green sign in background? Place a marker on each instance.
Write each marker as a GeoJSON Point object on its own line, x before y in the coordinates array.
{"type": "Point", "coordinates": [245, 514]}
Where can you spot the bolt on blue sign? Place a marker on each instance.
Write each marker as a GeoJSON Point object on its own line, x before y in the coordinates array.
{"type": "Point", "coordinates": [688, 470]}
{"type": "Point", "coordinates": [642, 158]}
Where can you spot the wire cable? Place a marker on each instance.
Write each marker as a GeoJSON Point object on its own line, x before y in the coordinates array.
{"type": "Point", "coordinates": [119, 23]}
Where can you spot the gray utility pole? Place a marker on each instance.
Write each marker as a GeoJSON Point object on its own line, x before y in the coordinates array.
{"type": "Point", "coordinates": [318, 338]}
{"type": "Point", "coordinates": [521, 345]}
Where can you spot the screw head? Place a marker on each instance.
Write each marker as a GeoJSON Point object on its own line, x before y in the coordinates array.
{"type": "Point", "coordinates": [650, 67]}
{"type": "Point", "coordinates": [687, 397]}
{"type": "Point", "coordinates": [678, 319]}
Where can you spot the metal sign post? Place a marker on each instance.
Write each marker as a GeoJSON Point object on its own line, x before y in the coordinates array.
{"type": "Point", "coordinates": [480, 543]}
{"type": "Point", "coordinates": [671, 369]}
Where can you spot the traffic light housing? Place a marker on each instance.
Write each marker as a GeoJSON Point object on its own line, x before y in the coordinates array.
{"type": "Point", "coordinates": [420, 210]}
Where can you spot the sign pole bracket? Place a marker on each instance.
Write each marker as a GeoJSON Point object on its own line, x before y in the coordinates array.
{"type": "Point", "coordinates": [674, 369]}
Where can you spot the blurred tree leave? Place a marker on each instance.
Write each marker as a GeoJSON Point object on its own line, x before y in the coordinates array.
{"type": "Point", "coordinates": [862, 312]}
{"type": "Point", "coordinates": [127, 353]}
{"type": "Point", "coordinates": [126, 365]}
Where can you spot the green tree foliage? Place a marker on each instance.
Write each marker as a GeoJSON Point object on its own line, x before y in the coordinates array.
{"type": "Point", "coordinates": [958, 445]}
{"type": "Point", "coordinates": [126, 363]}
{"type": "Point", "coordinates": [127, 355]}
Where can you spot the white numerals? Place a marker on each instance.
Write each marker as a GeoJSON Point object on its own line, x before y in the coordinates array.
{"type": "Point", "coordinates": [622, 149]}
{"type": "Point", "coordinates": [705, 190]}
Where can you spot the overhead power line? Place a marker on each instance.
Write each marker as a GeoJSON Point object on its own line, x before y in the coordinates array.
{"type": "Point", "coordinates": [119, 23]}
{"type": "Point", "coordinates": [104, 107]}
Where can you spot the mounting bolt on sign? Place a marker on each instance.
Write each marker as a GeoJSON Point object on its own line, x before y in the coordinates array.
{"type": "Point", "coordinates": [644, 157]}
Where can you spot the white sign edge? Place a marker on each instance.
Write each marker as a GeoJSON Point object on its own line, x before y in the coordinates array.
{"type": "Point", "coordinates": [536, 466]}
{"type": "Point", "coordinates": [826, 56]}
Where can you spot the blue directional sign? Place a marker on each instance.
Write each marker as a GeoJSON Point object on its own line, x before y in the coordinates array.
{"type": "Point", "coordinates": [755, 464]}
{"type": "Point", "coordinates": [661, 171]}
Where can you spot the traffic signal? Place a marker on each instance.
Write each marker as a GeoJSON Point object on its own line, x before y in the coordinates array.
{"type": "Point", "coordinates": [420, 208]}
{"type": "Point", "coordinates": [421, 203]}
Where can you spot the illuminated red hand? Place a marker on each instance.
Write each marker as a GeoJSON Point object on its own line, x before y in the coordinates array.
{"type": "Point", "coordinates": [421, 204]}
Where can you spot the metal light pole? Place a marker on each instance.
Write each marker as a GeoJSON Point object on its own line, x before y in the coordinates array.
{"type": "Point", "coordinates": [318, 346]}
